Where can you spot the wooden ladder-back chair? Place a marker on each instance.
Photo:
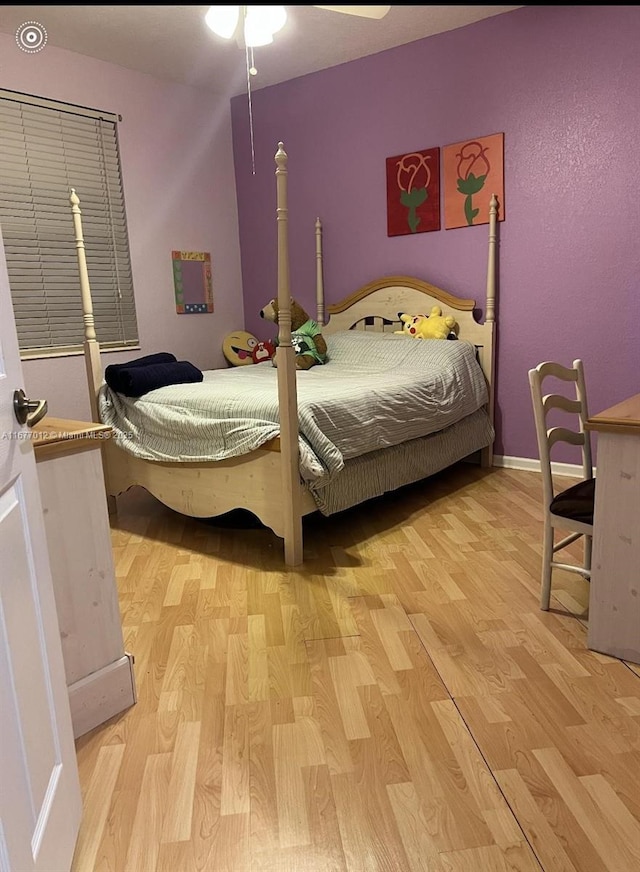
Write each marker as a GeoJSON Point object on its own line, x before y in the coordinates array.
{"type": "Point", "coordinates": [569, 510]}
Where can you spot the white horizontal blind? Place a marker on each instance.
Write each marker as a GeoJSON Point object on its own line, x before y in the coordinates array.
{"type": "Point", "coordinates": [45, 150]}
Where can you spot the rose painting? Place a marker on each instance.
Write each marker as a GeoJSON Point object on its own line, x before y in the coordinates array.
{"type": "Point", "coordinates": [413, 192]}
{"type": "Point", "coordinates": [473, 171]}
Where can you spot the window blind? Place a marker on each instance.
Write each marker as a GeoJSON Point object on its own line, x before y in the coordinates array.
{"type": "Point", "coordinates": [46, 149]}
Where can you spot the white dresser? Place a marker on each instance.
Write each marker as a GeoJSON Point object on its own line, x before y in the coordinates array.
{"type": "Point", "coordinates": [99, 672]}
{"type": "Point", "coordinates": [614, 593]}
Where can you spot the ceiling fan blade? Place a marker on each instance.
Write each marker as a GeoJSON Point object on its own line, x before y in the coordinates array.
{"type": "Point", "coordinates": [362, 11]}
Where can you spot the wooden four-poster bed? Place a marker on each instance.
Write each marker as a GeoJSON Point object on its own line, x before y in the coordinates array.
{"type": "Point", "coordinates": [268, 479]}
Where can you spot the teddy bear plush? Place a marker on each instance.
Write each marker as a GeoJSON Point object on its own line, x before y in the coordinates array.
{"type": "Point", "coordinates": [432, 326]}
{"type": "Point", "coordinates": [306, 337]}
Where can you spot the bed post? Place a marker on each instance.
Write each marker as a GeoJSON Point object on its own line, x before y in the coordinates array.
{"type": "Point", "coordinates": [486, 456]}
{"type": "Point", "coordinates": [287, 394]}
{"type": "Point", "coordinates": [91, 347]}
{"type": "Point", "coordinates": [319, 275]}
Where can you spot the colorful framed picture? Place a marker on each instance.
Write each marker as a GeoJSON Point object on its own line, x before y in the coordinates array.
{"type": "Point", "coordinates": [413, 192]}
{"type": "Point", "coordinates": [192, 282]}
{"type": "Point", "coordinates": [473, 171]}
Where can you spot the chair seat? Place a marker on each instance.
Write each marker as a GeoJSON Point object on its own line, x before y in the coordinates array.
{"type": "Point", "coordinates": [576, 502]}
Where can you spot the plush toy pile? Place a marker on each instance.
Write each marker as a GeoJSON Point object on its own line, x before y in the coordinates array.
{"type": "Point", "coordinates": [242, 348]}
{"type": "Point", "coordinates": [306, 337]}
{"type": "Point", "coordinates": [432, 326]}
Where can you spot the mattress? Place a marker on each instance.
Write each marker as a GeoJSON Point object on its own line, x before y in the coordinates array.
{"type": "Point", "coordinates": [377, 390]}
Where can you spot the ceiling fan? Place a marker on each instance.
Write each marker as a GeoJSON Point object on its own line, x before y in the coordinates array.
{"type": "Point", "coordinates": [254, 26]}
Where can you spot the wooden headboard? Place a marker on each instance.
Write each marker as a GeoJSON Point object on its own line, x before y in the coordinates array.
{"type": "Point", "coordinates": [376, 307]}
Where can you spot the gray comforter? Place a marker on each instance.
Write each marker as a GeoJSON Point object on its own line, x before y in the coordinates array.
{"type": "Point", "coordinates": [376, 390]}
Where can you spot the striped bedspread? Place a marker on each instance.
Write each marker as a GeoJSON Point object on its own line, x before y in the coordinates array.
{"type": "Point", "coordinates": [375, 391]}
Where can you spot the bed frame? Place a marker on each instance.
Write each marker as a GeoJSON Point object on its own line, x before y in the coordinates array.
{"type": "Point", "coordinates": [267, 481]}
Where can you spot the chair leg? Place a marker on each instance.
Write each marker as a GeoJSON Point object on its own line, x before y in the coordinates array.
{"type": "Point", "coordinates": [547, 557]}
{"type": "Point", "coordinates": [588, 543]}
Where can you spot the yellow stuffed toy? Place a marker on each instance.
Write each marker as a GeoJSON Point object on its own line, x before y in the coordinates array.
{"type": "Point", "coordinates": [432, 326]}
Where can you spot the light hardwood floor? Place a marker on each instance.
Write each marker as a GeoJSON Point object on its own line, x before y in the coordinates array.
{"type": "Point", "coordinates": [400, 704]}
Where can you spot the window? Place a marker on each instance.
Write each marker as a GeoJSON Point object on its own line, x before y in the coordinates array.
{"type": "Point", "coordinates": [47, 148]}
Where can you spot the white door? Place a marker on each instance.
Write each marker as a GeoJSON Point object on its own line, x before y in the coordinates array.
{"type": "Point", "coordinates": [40, 801]}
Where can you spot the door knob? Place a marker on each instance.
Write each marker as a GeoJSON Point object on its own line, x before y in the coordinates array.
{"type": "Point", "coordinates": [27, 411]}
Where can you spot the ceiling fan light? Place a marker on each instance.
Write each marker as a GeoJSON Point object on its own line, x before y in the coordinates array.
{"type": "Point", "coordinates": [261, 22]}
{"type": "Point", "coordinates": [223, 20]}
{"type": "Point", "coordinates": [254, 36]}
{"type": "Point", "coordinates": [277, 17]}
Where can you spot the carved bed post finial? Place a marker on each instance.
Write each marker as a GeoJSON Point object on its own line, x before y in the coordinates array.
{"type": "Point", "coordinates": [91, 346]}
{"type": "Point", "coordinates": [87, 305]}
{"type": "Point", "coordinates": [319, 275]}
{"type": "Point", "coordinates": [491, 265]}
{"type": "Point", "coordinates": [282, 212]}
{"type": "Point", "coordinates": [488, 352]}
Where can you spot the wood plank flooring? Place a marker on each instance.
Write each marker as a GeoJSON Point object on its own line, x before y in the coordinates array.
{"type": "Point", "coordinates": [397, 704]}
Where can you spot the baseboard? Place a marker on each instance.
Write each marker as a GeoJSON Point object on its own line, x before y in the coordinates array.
{"type": "Point", "coordinates": [572, 470]}
{"type": "Point", "coordinates": [101, 695]}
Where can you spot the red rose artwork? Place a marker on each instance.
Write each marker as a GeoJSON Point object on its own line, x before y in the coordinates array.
{"type": "Point", "coordinates": [473, 171]}
{"type": "Point", "coordinates": [413, 192]}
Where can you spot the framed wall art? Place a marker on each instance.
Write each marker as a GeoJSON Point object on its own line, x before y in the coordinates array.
{"type": "Point", "coordinates": [413, 192]}
{"type": "Point", "coordinates": [192, 282]}
{"type": "Point", "coordinates": [473, 171]}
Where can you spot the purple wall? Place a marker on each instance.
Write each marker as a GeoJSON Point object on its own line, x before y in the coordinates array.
{"type": "Point", "coordinates": [177, 166]}
{"type": "Point", "coordinates": [562, 84]}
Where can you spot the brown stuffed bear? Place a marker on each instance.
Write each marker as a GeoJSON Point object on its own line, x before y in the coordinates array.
{"type": "Point", "coordinates": [307, 340]}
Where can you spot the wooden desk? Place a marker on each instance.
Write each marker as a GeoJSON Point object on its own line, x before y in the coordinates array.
{"type": "Point", "coordinates": [99, 672]}
{"type": "Point", "coordinates": [614, 596]}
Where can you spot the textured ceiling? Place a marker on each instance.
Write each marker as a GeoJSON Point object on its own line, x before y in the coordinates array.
{"type": "Point", "coordinates": [173, 42]}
